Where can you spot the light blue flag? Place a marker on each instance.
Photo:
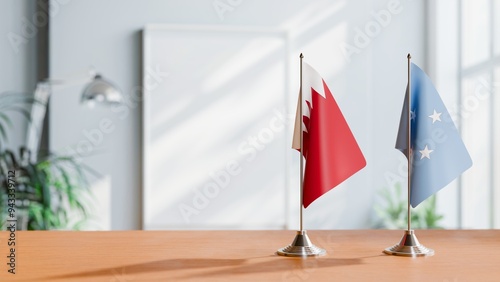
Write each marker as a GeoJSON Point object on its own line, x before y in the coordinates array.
{"type": "Point", "coordinates": [438, 153]}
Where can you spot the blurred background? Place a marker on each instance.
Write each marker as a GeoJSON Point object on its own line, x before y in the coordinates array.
{"type": "Point", "coordinates": [191, 124]}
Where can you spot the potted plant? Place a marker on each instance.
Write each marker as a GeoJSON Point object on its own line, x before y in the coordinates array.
{"type": "Point", "coordinates": [393, 213]}
{"type": "Point", "coordinates": [49, 193]}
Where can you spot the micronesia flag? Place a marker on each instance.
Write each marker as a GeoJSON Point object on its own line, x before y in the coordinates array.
{"type": "Point", "coordinates": [438, 154]}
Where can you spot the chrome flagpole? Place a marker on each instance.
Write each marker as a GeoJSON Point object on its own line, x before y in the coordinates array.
{"type": "Point", "coordinates": [409, 246]}
{"type": "Point", "coordinates": [301, 245]}
{"type": "Point", "coordinates": [301, 207]}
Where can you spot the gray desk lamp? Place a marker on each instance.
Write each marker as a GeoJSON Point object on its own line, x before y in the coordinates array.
{"type": "Point", "coordinates": [97, 90]}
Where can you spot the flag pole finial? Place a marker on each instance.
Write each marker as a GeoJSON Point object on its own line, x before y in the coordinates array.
{"type": "Point", "coordinates": [301, 56]}
{"type": "Point", "coordinates": [409, 56]}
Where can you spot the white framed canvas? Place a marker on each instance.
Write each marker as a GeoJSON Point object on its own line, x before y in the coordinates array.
{"type": "Point", "coordinates": [215, 127]}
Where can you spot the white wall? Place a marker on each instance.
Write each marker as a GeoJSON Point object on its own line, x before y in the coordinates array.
{"type": "Point", "coordinates": [17, 57]}
{"type": "Point", "coordinates": [368, 86]}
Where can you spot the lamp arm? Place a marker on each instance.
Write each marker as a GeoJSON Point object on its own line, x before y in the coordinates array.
{"type": "Point", "coordinates": [75, 80]}
{"type": "Point", "coordinates": [38, 111]}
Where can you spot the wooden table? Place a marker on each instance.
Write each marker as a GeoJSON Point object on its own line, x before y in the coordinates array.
{"type": "Point", "coordinates": [461, 255]}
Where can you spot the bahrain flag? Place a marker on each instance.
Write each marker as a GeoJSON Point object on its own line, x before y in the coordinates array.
{"type": "Point", "coordinates": [330, 150]}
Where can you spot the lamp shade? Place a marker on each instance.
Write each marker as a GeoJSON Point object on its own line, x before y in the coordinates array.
{"type": "Point", "coordinates": [102, 91]}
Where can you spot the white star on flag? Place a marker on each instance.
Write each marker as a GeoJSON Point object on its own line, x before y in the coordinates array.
{"type": "Point", "coordinates": [426, 153]}
{"type": "Point", "coordinates": [412, 115]}
{"type": "Point", "coordinates": [435, 116]}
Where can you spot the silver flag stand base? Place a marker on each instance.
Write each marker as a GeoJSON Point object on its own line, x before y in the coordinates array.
{"type": "Point", "coordinates": [409, 247]}
{"type": "Point", "coordinates": [301, 247]}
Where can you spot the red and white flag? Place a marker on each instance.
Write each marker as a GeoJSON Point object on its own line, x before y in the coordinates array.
{"type": "Point", "coordinates": [332, 154]}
